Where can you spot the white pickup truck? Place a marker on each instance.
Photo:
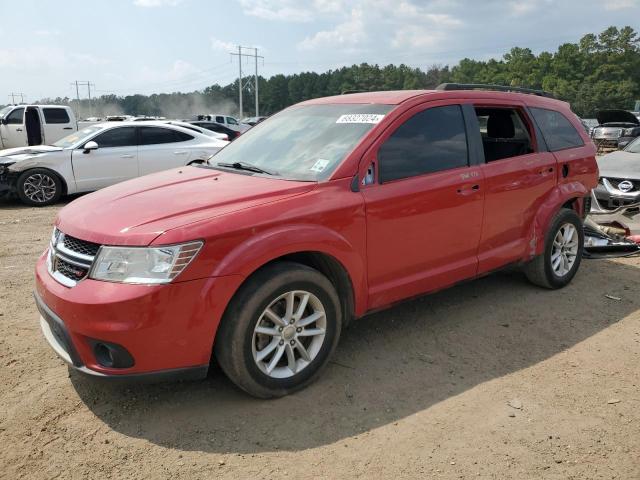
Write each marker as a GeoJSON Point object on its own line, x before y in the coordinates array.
{"type": "Point", "coordinates": [27, 125]}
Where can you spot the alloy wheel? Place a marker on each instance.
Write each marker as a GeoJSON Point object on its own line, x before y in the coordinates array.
{"type": "Point", "coordinates": [565, 249]}
{"type": "Point", "coordinates": [39, 188]}
{"type": "Point", "coordinates": [289, 334]}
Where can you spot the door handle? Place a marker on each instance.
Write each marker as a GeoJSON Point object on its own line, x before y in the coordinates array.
{"type": "Point", "coordinates": [18, 129]}
{"type": "Point", "coordinates": [469, 191]}
{"type": "Point", "coordinates": [180, 153]}
{"type": "Point", "coordinates": [67, 128]}
{"type": "Point", "coordinates": [126, 156]}
{"type": "Point", "coordinates": [546, 171]}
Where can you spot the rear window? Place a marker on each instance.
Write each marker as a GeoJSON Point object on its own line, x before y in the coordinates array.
{"type": "Point", "coordinates": [558, 132]}
{"type": "Point", "coordinates": [55, 115]}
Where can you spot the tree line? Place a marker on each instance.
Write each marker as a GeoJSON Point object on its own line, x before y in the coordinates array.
{"type": "Point", "coordinates": [600, 71]}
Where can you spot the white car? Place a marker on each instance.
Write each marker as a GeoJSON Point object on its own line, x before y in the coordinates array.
{"type": "Point", "coordinates": [226, 120]}
{"type": "Point", "coordinates": [98, 156]}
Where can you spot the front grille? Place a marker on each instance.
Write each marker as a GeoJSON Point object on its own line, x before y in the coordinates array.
{"type": "Point", "coordinates": [81, 246]}
{"type": "Point", "coordinates": [72, 272]}
{"type": "Point", "coordinates": [70, 258]}
{"type": "Point", "coordinates": [615, 182]}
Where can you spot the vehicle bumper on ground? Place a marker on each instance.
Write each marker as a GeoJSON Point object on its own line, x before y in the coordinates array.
{"type": "Point", "coordinates": [133, 332]}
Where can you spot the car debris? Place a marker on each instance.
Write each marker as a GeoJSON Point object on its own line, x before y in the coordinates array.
{"type": "Point", "coordinates": [610, 236]}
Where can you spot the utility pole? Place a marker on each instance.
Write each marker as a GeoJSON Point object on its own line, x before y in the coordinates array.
{"type": "Point", "coordinates": [13, 96]}
{"type": "Point", "coordinates": [82, 83]}
{"type": "Point", "coordinates": [255, 55]}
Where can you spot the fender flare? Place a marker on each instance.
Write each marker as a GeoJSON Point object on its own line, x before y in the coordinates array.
{"type": "Point", "coordinates": [258, 250]}
{"type": "Point", "coordinates": [554, 201]}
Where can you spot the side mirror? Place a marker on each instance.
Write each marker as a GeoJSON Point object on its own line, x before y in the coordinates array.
{"type": "Point", "coordinates": [3, 121]}
{"type": "Point", "coordinates": [90, 146]}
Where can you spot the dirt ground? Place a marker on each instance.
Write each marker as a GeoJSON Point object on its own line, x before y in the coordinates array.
{"type": "Point", "coordinates": [492, 379]}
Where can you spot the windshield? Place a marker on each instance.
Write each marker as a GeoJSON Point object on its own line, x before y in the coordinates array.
{"type": "Point", "coordinates": [303, 143]}
{"type": "Point", "coordinates": [5, 110]}
{"type": "Point", "coordinates": [76, 137]}
{"type": "Point", "coordinates": [633, 147]}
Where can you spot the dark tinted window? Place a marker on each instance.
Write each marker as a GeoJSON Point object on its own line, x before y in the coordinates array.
{"type": "Point", "coordinates": [117, 137]}
{"type": "Point", "coordinates": [156, 136]}
{"type": "Point", "coordinates": [558, 132]}
{"type": "Point", "coordinates": [220, 119]}
{"type": "Point", "coordinates": [15, 117]}
{"type": "Point", "coordinates": [55, 115]}
{"type": "Point", "coordinates": [430, 141]}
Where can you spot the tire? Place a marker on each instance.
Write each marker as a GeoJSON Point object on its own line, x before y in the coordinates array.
{"type": "Point", "coordinates": [39, 187]}
{"type": "Point", "coordinates": [242, 349]}
{"type": "Point", "coordinates": [545, 270]}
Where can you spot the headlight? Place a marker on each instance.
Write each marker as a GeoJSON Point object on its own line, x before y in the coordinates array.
{"type": "Point", "coordinates": [629, 132]}
{"type": "Point", "coordinates": [150, 265]}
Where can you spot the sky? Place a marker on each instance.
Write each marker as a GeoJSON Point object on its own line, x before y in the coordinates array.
{"type": "Point", "coordinates": [152, 46]}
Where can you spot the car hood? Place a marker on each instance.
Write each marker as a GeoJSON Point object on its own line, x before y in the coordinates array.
{"type": "Point", "coordinates": [24, 152]}
{"type": "Point", "coordinates": [137, 211]}
{"type": "Point", "coordinates": [620, 165]}
{"type": "Point", "coordinates": [616, 116]}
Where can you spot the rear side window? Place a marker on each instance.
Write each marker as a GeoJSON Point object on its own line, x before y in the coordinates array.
{"type": "Point", "coordinates": [117, 137]}
{"type": "Point", "coordinates": [55, 115]}
{"type": "Point", "coordinates": [157, 136]}
{"type": "Point", "coordinates": [430, 141]}
{"type": "Point", "coordinates": [220, 119]}
{"type": "Point", "coordinates": [15, 117]}
{"type": "Point", "coordinates": [558, 132]}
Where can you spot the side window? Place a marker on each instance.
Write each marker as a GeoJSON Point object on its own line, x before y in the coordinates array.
{"type": "Point", "coordinates": [55, 115]}
{"type": "Point", "coordinates": [117, 137]}
{"type": "Point", "coordinates": [16, 117]}
{"type": "Point", "coordinates": [220, 119]}
{"type": "Point", "coordinates": [558, 132]}
{"type": "Point", "coordinates": [430, 141]}
{"type": "Point", "coordinates": [504, 133]}
{"type": "Point", "coordinates": [158, 135]}
{"type": "Point", "coordinates": [231, 121]}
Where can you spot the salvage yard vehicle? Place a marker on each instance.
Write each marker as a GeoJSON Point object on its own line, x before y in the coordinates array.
{"type": "Point", "coordinates": [614, 125]}
{"type": "Point", "coordinates": [99, 156]}
{"type": "Point", "coordinates": [619, 184]}
{"type": "Point", "coordinates": [326, 211]}
{"type": "Point", "coordinates": [226, 120]}
{"type": "Point", "coordinates": [28, 125]}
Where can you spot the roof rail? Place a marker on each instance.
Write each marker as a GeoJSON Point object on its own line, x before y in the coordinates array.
{"type": "Point", "coordinates": [500, 88]}
{"type": "Point", "coordinates": [350, 92]}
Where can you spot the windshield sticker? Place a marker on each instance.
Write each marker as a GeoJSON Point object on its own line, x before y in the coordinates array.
{"type": "Point", "coordinates": [320, 165]}
{"type": "Point", "coordinates": [360, 118]}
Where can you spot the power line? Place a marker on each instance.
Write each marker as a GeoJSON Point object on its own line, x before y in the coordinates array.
{"type": "Point", "coordinates": [255, 56]}
{"type": "Point", "coordinates": [13, 96]}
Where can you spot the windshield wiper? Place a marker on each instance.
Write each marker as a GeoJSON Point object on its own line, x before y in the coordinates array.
{"type": "Point", "coordinates": [246, 166]}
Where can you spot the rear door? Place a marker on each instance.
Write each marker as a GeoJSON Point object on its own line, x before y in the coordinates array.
{"type": "Point", "coordinates": [424, 209]}
{"type": "Point", "coordinates": [519, 175]}
{"type": "Point", "coordinates": [57, 124]}
{"type": "Point", "coordinates": [115, 159]}
{"type": "Point", "coordinates": [13, 131]}
{"type": "Point", "coordinates": [162, 148]}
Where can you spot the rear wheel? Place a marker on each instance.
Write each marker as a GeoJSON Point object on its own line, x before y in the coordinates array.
{"type": "Point", "coordinates": [279, 330]}
{"type": "Point", "coordinates": [39, 187]}
{"type": "Point", "coordinates": [560, 261]}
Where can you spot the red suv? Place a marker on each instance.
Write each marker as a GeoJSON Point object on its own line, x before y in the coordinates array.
{"type": "Point", "coordinates": [326, 211]}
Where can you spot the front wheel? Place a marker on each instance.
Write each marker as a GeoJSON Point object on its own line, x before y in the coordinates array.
{"type": "Point", "coordinates": [279, 330]}
{"type": "Point", "coordinates": [39, 187]}
{"type": "Point", "coordinates": [560, 261]}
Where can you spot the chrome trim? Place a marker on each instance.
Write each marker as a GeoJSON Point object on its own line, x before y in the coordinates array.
{"type": "Point", "coordinates": [614, 191]}
{"type": "Point", "coordinates": [57, 250]}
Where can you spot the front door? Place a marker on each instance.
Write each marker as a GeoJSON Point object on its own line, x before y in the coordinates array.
{"type": "Point", "coordinates": [424, 211]}
{"type": "Point", "coordinates": [13, 131]}
{"type": "Point", "coordinates": [115, 160]}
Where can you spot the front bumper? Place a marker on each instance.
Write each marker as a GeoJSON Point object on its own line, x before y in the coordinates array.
{"type": "Point", "coordinates": [168, 330]}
